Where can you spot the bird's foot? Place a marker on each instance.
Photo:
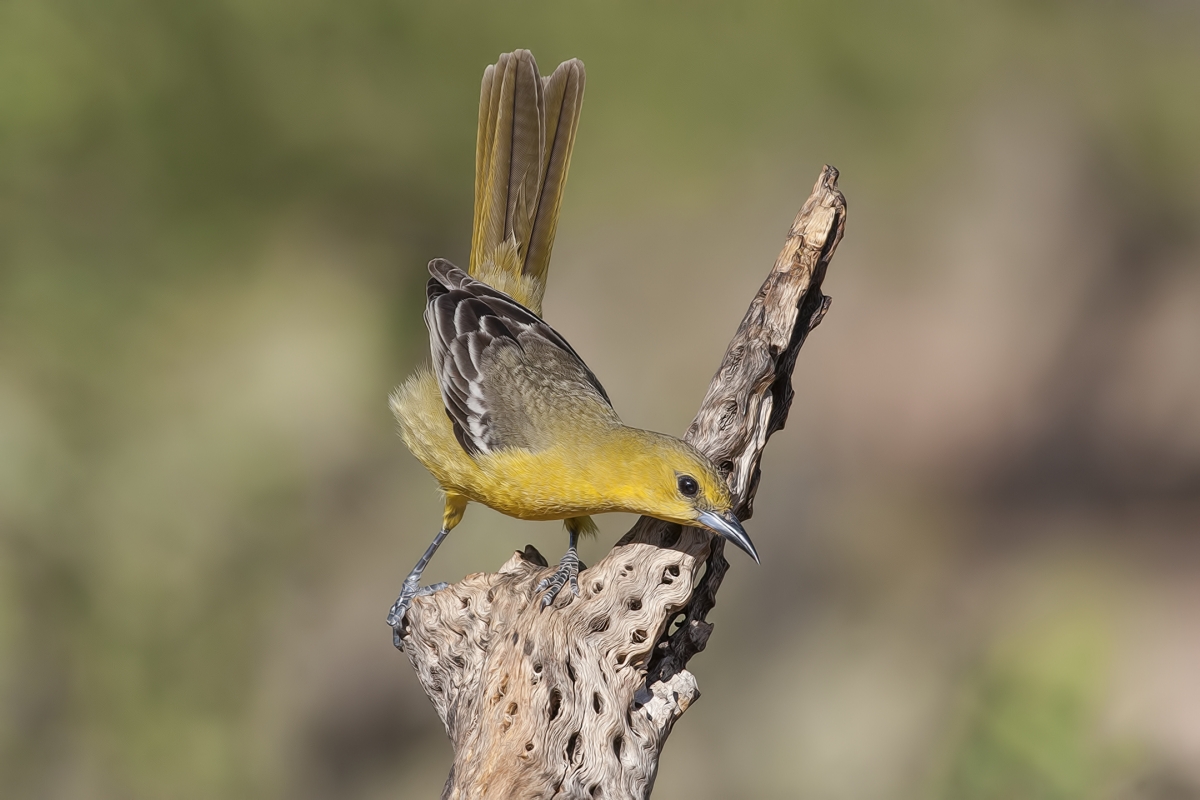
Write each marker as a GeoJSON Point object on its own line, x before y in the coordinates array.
{"type": "Point", "coordinates": [395, 617]}
{"type": "Point", "coordinates": [567, 572]}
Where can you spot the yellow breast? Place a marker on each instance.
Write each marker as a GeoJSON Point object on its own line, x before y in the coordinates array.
{"type": "Point", "coordinates": [585, 472]}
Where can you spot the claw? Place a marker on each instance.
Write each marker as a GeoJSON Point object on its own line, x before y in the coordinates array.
{"type": "Point", "coordinates": [552, 584]}
{"type": "Point", "coordinates": [395, 617]}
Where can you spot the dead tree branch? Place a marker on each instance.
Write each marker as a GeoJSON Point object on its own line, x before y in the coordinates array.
{"type": "Point", "coordinates": [578, 701]}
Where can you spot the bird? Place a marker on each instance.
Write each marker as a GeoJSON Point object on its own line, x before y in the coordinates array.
{"type": "Point", "coordinates": [507, 414]}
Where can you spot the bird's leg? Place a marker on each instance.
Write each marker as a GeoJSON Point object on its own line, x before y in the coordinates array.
{"type": "Point", "coordinates": [412, 588]}
{"type": "Point", "coordinates": [456, 505]}
{"type": "Point", "coordinates": [568, 571]}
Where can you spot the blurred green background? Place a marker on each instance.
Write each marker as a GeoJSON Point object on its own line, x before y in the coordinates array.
{"type": "Point", "coordinates": [981, 527]}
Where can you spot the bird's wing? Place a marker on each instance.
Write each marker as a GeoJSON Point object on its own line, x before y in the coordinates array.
{"type": "Point", "coordinates": [504, 373]}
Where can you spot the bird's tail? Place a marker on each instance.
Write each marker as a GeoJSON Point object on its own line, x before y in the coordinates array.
{"type": "Point", "coordinates": [527, 127]}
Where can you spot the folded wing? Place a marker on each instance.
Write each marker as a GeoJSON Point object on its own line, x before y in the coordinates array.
{"type": "Point", "coordinates": [506, 377]}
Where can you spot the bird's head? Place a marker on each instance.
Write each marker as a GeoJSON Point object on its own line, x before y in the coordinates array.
{"type": "Point", "coordinates": [687, 488]}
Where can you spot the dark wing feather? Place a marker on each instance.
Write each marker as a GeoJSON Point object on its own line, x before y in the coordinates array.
{"type": "Point", "coordinates": [476, 336]}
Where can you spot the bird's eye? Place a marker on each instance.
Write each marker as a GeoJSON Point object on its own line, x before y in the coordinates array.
{"type": "Point", "coordinates": [688, 486]}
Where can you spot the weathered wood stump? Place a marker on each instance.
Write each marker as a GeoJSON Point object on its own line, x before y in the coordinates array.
{"type": "Point", "coordinates": [577, 701]}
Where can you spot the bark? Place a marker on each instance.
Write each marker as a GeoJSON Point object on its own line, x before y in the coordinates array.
{"type": "Point", "coordinates": [578, 701]}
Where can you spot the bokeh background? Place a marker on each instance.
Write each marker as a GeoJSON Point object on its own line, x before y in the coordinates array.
{"type": "Point", "coordinates": [981, 527]}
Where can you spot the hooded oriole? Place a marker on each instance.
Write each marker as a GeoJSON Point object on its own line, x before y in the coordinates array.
{"type": "Point", "coordinates": [509, 416]}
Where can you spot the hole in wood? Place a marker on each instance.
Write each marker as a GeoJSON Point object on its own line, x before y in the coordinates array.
{"type": "Point", "coordinates": [596, 703]}
{"type": "Point", "coordinates": [597, 587]}
{"type": "Point", "coordinates": [599, 624]}
{"type": "Point", "coordinates": [595, 790]}
{"type": "Point", "coordinates": [555, 702]}
{"type": "Point", "coordinates": [570, 671]}
{"type": "Point", "coordinates": [458, 661]}
{"type": "Point", "coordinates": [618, 745]}
{"type": "Point", "coordinates": [528, 746]}
{"type": "Point", "coordinates": [572, 746]}
{"type": "Point", "coordinates": [491, 595]}
{"type": "Point", "coordinates": [528, 646]}
{"type": "Point", "coordinates": [537, 666]}
{"type": "Point", "coordinates": [511, 710]}
{"type": "Point", "coordinates": [639, 636]}
{"type": "Point", "coordinates": [634, 604]}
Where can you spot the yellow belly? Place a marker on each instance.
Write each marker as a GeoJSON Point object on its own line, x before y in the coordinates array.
{"type": "Point", "coordinates": [559, 482]}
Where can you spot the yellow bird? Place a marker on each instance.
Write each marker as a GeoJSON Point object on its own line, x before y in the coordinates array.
{"type": "Point", "coordinates": [509, 415]}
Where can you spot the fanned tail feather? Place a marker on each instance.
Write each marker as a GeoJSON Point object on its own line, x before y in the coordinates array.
{"type": "Point", "coordinates": [527, 127]}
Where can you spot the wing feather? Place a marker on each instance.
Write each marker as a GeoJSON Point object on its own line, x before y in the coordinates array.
{"type": "Point", "coordinates": [482, 341]}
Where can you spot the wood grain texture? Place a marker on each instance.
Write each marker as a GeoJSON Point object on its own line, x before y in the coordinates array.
{"type": "Point", "coordinates": [577, 701]}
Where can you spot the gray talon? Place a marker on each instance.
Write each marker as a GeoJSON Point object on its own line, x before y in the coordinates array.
{"type": "Point", "coordinates": [395, 617]}
{"type": "Point", "coordinates": [567, 573]}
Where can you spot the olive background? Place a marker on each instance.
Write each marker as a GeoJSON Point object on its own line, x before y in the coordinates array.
{"type": "Point", "coordinates": [981, 563]}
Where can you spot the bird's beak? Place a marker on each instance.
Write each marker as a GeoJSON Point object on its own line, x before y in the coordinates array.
{"type": "Point", "coordinates": [728, 526]}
